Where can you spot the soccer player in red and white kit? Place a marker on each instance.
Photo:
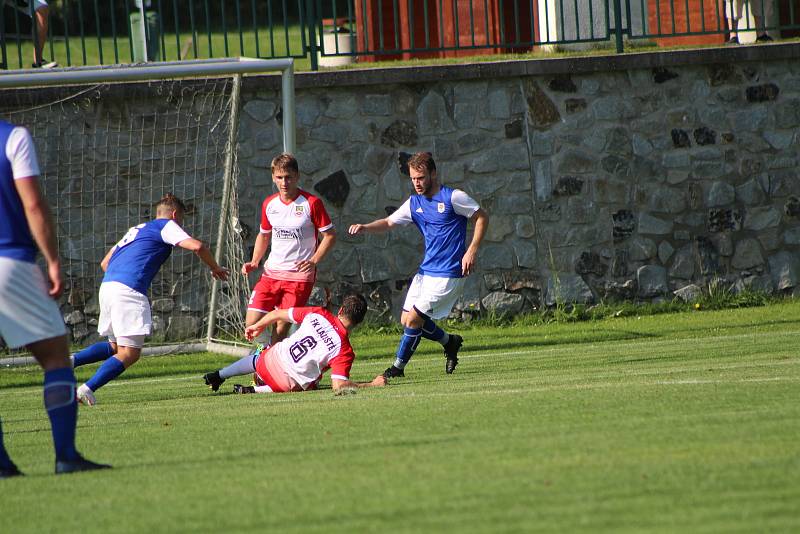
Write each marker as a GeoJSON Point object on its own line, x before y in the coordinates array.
{"type": "Point", "coordinates": [298, 362]}
{"type": "Point", "coordinates": [291, 221]}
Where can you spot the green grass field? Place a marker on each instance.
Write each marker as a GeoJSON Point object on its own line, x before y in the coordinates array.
{"type": "Point", "coordinates": [668, 423]}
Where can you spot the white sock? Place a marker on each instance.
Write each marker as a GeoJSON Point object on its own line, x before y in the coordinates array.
{"type": "Point", "coordinates": [242, 366]}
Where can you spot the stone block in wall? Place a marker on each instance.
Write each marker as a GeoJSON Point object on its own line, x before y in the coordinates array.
{"type": "Point", "coordinates": [750, 193]}
{"type": "Point", "coordinates": [526, 253]}
{"type": "Point", "coordinates": [344, 263]}
{"type": "Point", "coordinates": [493, 281]}
{"type": "Point", "coordinates": [781, 163]}
{"type": "Point", "coordinates": [568, 186]}
{"type": "Point", "coordinates": [74, 317]}
{"type": "Point", "coordinates": [497, 256]}
{"type": "Point", "coordinates": [641, 249]}
{"type": "Point", "coordinates": [376, 105]}
{"type": "Point", "coordinates": [579, 211]}
{"type": "Point", "coordinates": [503, 304]}
{"type": "Point", "coordinates": [747, 254]}
{"type": "Point", "coordinates": [613, 108]}
{"type": "Point", "coordinates": [761, 218]}
{"type": "Point", "coordinates": [500, 227]}
{"type": "Point", "coordinates": [787, 113]}
{"type": "Point", "coordinates": [374, 267]}
{"type": "Point", "coordinates": [641, 145]}
{"type": "Point", "coordinates": [751, 119]}
{"type": "Point", "coordinates": [689, 293]}
{"type": "Point", "coordinates": [649, 225]}
{"type": "Point", "coordinates": [164, 305]}
{"type": "Point", "coordinates": [473, 142]}
{"type": "Point", "coordinates": [760, 283]}
{"type": "Point", "coordinates": [180, 327]}
{"type": "Point", "coordinates": [792, 236]}
{"type": "Point", "coordinates": [541, 143]}
{"type": "Point", "coordinates": [611, 191]}
{"type": "Point", "coordinates": [465, 114]}
{"type": "Point", "coordinates": [619, 291]}
{"type": "Point", "coordinates": [432, 115]}
{"type": "Point", "coordinates": [513, 129]}
{"type": "Point", "coordinates": [651, 281]}
{"type": "Point", "coordinates": [665, 250]}
{"type": "Point", "coordinates": [666, 200]}
{"type": "Point", "coordinates": [260, 110]}
{"type": "Point", "coordinates": [723, 243]}
{"type": "Point", "coordinates": [483, 163]}
{"type": "Point", "coordinates": [542, 180]}
{"type": "Point", "coordinates": [779, 140]}
{"type": "Point", "coordinates": [785, 270]}
{"type": "Point", "coordinates": [499, 103]}
{"type": "Point", "coordinates": [513, 156]}
{"type": "Point", "coordinates": [683, 263]}
{"type": "Point", "coordinates": [512, 204]}
{"type": "Point", "coordinates": [567, 288]}
{"type": "Point", "coordinates": [524, 226]}
{"type": "Point", "coordinates": [334, 188]}
{"type": "Point", "coordinates": [770, 239]}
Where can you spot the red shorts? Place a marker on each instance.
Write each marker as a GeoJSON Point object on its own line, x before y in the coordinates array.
{"type": "Point", "coordinates": [270, 294]}
{"type": "Point", "coordinates": [270, 372]}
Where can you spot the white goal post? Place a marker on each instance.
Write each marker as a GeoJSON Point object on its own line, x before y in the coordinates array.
{"type": "Point", "coordinates": [197, 155]}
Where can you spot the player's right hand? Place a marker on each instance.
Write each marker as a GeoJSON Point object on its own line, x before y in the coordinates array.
{"type": "Point", "coordinates": [56, 283]}
{"type": "Point", "coordinates": [220, 274]}
{"type": "Point", "coordinates": [379, 381]}
{"type": "Point", "coordinates": [355, 229]}
{"type": "Point", "coordinates": [249, 267]}
{"type": "Point", "coordinates": [251, 332]}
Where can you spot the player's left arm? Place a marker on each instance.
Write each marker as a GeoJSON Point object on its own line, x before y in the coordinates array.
{"type": "Point", "coordinates": [204, 253]}
{"type": "Point", "coordinates": [481, 219]}
{"type": "Point", "coordinates": [107, 258]}
{"type": "Point", "coordinates": [340, 386]}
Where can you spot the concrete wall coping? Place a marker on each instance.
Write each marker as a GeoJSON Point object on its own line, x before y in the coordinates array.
{"type": "Point", "coordinates": [550, 66]}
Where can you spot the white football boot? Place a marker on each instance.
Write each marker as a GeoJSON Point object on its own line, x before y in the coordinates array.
{"type": "Point", "coordinates": [85, 395]}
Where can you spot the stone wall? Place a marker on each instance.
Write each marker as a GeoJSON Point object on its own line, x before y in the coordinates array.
{"type": "Point", "coordinates": [633, 177]}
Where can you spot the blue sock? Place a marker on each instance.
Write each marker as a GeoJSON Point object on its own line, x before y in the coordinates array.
{"type": "Point", "coordinates": [110, 370]}
{"type": "Point", "coordinates": [408, 344]}
{"type": "Point", "coordinates": [59, 401]}
{"type": "Point", "coordinates": [93, 353]}
{"type": "Point", "coordinates": [433, 332]}
{"type": "Point", "coordinates": [5, 460]}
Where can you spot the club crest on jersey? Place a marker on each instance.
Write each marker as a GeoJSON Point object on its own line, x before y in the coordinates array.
{"type": "Point", "coordinates": [440, 207]}
{"type": "Point", "coordinates": [298, 210]}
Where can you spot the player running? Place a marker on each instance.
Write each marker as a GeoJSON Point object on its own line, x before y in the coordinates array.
{"type": "Point", "coordinates": [291, 221]}
{"type": "Point", "coordinates": [130, 267]}
{"type": "Point", "coordinates": [298, 362]}
{"type": "Point", "coordinates": [441, 214]}
{"type": "Point", "coordinates": [29, 315]}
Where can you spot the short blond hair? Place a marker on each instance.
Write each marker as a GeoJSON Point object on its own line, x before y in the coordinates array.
{"type": "Point", "coordinates": [284, 162]}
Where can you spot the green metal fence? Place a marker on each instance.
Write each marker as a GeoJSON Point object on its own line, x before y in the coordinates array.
{"type": "Point", "coordinates": [330, 32]}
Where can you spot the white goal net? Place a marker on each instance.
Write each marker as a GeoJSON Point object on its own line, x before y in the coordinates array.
{"type": "Point", "coordinates": [108, 152]}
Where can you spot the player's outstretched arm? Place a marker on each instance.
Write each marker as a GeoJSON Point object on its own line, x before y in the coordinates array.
{"type": "Point", "coordinates": [253, 331]}
{"type": "Point", "coordinates": [481, 219]}
{"type": "Point", "coordinates": [203, 252]}
{"type": "Point", "coordinates": [339, 385]}
{"type": "Point", "coordinates": [377, 226]}
{"type": "Point", "coordinates": [40, 222]}
{"type": "Point", "coordinates": [259, 249]}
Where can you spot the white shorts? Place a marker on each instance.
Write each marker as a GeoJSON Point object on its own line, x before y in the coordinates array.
{"type": "Point", "coordinates": [434, 296]}
{"type": "Point", "coordinates": [124, 313]}
{"type": "Point", "coordinates": [27, 313]}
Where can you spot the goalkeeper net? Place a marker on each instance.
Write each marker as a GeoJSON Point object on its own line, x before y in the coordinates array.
{"type": "Point", "coordinates": [107, 154]}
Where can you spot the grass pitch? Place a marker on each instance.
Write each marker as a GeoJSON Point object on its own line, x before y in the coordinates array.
{"type": "Point", "coordinates": [684, 422]}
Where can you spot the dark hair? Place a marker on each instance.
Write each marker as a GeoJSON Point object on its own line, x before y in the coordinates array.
{"type": "Point", "coordinates": [354, 307]}
{"type": "Point", "coordinates": [284, 162]}
{"type": "Point", "coordinates": [172, 202]}
{"type": "Point", "coordinates": [422, 161]}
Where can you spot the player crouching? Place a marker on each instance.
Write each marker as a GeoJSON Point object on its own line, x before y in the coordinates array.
{"type": "Point", "coordinates": [297, 363]}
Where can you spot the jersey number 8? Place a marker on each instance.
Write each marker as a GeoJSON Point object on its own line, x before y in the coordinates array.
{"type": "Point", "coordinates": [130, 236]}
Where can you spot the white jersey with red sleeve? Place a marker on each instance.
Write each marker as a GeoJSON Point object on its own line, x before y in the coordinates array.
{"type": "Point", "coordinates": [294, 228]}
{"type": "Point", "coordinates": [319, 343]}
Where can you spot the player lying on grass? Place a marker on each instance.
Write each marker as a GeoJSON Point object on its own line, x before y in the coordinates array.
{"type": "Point", "coordinates": [130, 266]}
{"type": "Point", "coordinates": [297, 363]}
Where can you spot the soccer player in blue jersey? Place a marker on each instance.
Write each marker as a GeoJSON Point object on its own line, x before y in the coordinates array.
{"type": "Point", "coordinates": [29, 315]}
{"type": "Point", "coordinates": [130, 266]}
{"type": "Point", "coordinates": [441, 214]}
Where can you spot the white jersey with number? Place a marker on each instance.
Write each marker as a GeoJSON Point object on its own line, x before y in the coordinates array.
{"type": "Point", "coordinates": [319, 343]}
{"type": "Point", "coordinates": [294, 226]}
